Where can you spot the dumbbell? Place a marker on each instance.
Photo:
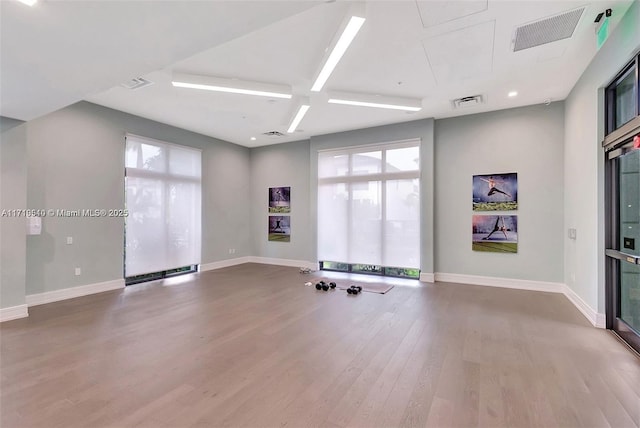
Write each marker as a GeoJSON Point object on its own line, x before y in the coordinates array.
{"type": "Point", "coordinates": [354, 289]}
{"type": "Point", "coordinates": [324, 286]}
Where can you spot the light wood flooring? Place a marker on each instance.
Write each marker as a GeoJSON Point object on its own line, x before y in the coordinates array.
{"type": "Point", "coordinates": [251, 346]}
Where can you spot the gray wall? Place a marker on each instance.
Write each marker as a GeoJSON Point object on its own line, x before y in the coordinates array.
{"type": "Point", "coordinates": [275, 166]}
{"type": "Point", "coordinates": [296, 164]}
{"type": "Point", "coordinates": [76, 160]}
{"type": "Point", "coordinates": [584, 161]}
{"type": "Point", "coordinates": [6, 123]}
{"type": "Point", "coordinates": [526, 140]}
{"type": "Point", "coordinates": [13, 195]}
{"type": "Point", "coordinates": [422, 129]}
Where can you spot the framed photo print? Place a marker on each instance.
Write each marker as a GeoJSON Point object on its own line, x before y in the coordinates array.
{"type": "Point", "coordinates": [495, 233]}
{"type": "Point", "coordinates": [279, 228]}
{"type": "Point", "coordinates": [279, 199]}
{"type": "Point", "coordinates": [495, 192]}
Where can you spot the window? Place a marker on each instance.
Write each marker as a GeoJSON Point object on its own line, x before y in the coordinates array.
{"type": "Point", "coordinates": [622, 100]}
{"type": "Point", "coordinates": [163, 197]}
{"type": "Point", "coordinates": [369, 208]}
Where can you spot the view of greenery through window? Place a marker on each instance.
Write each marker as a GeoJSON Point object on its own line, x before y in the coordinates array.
{"type": "Point", "coordinates": [160, 275]}
{"type": "Point", "coordinates": [371, 269]}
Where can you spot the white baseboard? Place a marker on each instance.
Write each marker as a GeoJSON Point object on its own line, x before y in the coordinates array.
{"type": "Point", "coordinates": [284, 262]}
{"type": "Point", "coordinates": [427, 277]}
{"type": "Point", "coordinates": [70, 293]}
{"type": "Point", "coordinates": [518, 284]}
{"type": "Point", "coordinates": [14, 313]}
{"type": "Point", "coordinates": [224, 263]}
{"type": "Point", "coordinates": [601, 320]}
{"type": "Point", "coordinates": [594, 317]}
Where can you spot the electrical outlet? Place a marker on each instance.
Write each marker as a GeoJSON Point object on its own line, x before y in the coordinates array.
{"type": "Point", "coordinates": [78, 271]}
{"type": "Point", "coordinates": [69, 240]}
{"type": "Point", "coordinates": [232, 250]}
{"type": "Point", "coordinates": [572, 234]}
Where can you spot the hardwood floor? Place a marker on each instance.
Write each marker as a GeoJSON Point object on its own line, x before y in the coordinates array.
{"type": "Point", "coordinates": [252, 346]}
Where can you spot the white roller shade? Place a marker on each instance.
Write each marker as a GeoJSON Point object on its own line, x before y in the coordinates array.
{"type": "Point", "coordinates": [369, 205]}
{"type": "Point", "coordinates": [163, 196]}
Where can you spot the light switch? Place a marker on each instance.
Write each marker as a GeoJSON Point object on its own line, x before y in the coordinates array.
{"type": "Point", "coordinates": [572, 234]}
{"type": "Point", "coordinates": [69, 240]}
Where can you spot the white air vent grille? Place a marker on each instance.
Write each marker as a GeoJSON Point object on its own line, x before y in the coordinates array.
{"type": "Point", "coordinates": [547, 30]}
{"type": "Point", "coordinates": [470, 101]}
{"type": "Point", "coordinates": [273, 134]}
{"type": "Point", "coordinates": [137, 83]}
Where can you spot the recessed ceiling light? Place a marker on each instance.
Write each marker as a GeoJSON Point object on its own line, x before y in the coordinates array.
{"type": "Point", "coordinates": [347, 36]}
{"type": "Point", "coordinates": [235, 86]}
{"type": "Point", "coordinates": [513, 94]}
{"type": "Point", "coordinates": [298, 117]}
{"type": "Point", "coordinates": [253, 138]}
{"type": "Point", "coordinates": [28, 2]}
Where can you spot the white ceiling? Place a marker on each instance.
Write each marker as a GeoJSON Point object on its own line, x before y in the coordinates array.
{"type": "Point", "coordinates": [431, 50]}
{"type": "Point", "coordinates": [59, 52]}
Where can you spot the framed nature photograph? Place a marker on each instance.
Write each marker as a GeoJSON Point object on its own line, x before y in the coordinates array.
{"type": "Point", "coordinates": [279, 228]}
{"type": "Point", "coordinates": [495, 233]}
{"type": "Point", "coordinates": [495, 192]}
{"type": "Point", "coordinates": [279, 199]}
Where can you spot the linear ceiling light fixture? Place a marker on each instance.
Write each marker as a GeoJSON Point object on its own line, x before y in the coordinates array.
{"type": "Point", "coordinates": [302, 110]}
{"type": "Point", "coordinates": [378, 105]}
{"type": "Point", "coordinates": [377, 101]}
{"type": "Point", "coordinates": [234, 86]}
{"type": "Point", "coordinates": [28, 2]}
{"type": "Point", "coordinates": [340, 47]}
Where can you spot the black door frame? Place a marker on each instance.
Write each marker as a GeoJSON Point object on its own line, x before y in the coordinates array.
{"type": "Point", "coordinates": [617, 143]}
{"type": "Point", "coordinates": [614, 256]}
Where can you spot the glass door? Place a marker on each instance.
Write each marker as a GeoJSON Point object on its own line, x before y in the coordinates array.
{"type": "Point", "coordinates": [622, 199]}
{"type": "Point", "coordinates": [623, 253]}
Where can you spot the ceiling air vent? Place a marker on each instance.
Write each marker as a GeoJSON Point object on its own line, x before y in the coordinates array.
{"type": "Point", "coordinates": [471, 101]}
{"type": "Point", "coordinates": [273, 134]}
{"type": "Point", "coordinates": [137, 83]}
{"type": "Point", "coordinates": [547, 30]}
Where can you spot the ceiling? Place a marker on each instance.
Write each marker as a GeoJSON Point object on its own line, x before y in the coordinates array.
{"type": "Point", "coordinates": [57, 53]}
